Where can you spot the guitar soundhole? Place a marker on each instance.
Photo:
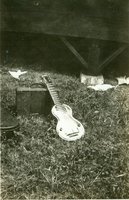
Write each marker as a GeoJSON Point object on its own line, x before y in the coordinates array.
{"type": "Point", "coordinates": [79, 125]}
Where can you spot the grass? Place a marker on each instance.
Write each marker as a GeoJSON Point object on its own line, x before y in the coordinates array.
{"type": "Point", "coordinates": [37, 164]}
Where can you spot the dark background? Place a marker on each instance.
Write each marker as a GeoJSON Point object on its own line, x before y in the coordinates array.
{"type": "Point", "coordinates": [31, 31]}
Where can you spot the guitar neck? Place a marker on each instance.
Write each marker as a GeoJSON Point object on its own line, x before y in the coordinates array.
{"type": "Point", "coordinates": [54, 94]}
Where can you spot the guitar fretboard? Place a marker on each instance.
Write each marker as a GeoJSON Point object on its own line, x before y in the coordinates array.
{"type": "Point", "coordinates": [53, 93]}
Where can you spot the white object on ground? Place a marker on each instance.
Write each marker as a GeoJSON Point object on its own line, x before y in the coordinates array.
{"type": "Point", "coordinates": [17, 74]}
{"type": "Point", "coordinates": [123, 80]}
{"type": "Point", "coordinates": [91, 80]}
{"type": "Point", "coordinates": [101, 87]}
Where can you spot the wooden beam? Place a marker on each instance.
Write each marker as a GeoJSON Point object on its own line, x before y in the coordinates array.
{"type": "Point", "coordinates": [111, 58]}
{"type": "Point", "coordinates": [94, 51]}
{"type": "Point", "coordinates": [74, 51]}
{"type": "Point", "coordinates": [95, 19]}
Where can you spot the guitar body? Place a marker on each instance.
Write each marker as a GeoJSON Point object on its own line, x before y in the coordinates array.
{"type": "Point", "coordinates": [67, 127]}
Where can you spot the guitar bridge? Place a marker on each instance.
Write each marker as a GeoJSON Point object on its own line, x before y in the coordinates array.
{"type": "Point", "coordinates": [72, 134]}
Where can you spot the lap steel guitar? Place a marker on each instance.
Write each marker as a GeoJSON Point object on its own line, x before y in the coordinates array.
{"type": "Point", "coordinates": [68, 128]}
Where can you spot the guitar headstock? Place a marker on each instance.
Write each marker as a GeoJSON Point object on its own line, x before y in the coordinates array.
{"type": "Point", "coordinates": [46, 79]}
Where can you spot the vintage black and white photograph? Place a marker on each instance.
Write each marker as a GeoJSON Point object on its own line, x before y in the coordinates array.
{"type": "Point", "coordinates": [64, 106]}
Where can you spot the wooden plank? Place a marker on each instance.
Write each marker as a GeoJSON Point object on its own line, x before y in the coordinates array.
{"type": "Point", "coordinates": [74, 51]}
{"type": "Point", "coordinates": [66, 25]}
{"type": "Point", "coordinates": [106, 20]}
{"type": "Point", "coordinates": [111, 58]}
{"type": "Point", "coordinates": [100, 7]}
{"type": "Point", "coordinates": [94, 56]}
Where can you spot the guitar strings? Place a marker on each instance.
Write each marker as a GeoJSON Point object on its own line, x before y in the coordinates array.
{"type": "Point", "coordinates": [56, 98]}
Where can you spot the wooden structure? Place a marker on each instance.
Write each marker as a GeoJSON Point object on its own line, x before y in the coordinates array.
{"type": "Point", "coordinates": [98, 20]}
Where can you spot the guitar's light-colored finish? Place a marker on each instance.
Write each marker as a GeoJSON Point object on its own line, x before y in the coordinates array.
{"type": "Point", "coordinates": [68, 128]}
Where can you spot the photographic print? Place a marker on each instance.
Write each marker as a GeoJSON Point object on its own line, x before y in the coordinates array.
{"type": "Point", "coordinates": [64, 106]}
